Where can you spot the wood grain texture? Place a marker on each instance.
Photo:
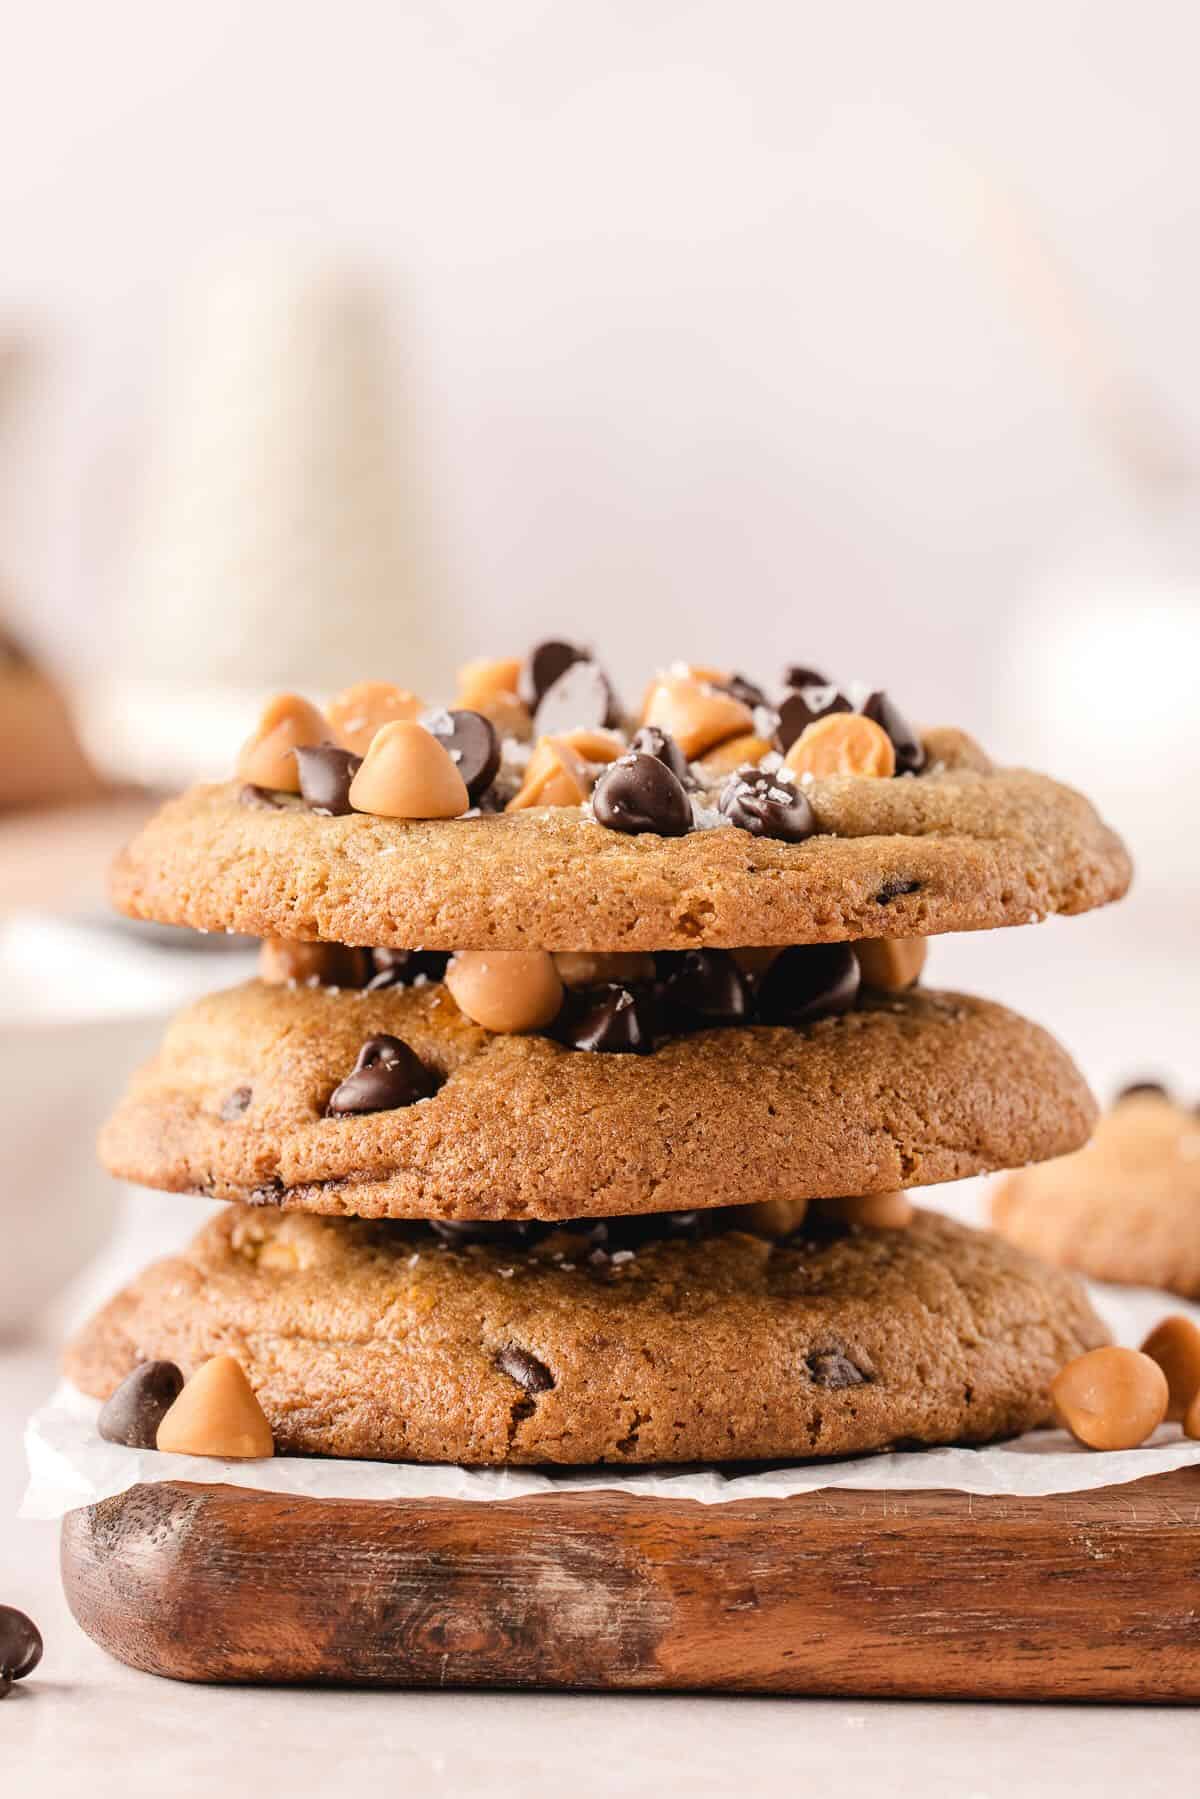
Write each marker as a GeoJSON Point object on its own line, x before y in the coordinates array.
{"type": "Point", "coordinates": [931, 1595]}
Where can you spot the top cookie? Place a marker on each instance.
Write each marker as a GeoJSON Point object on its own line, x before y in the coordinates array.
{"type": "Point", "coordinates": [719, 822]}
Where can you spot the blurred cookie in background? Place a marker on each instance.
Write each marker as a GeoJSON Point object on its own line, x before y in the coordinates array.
{"type": "Point", "coordinates": [1127, 1207]}
{"type": "Point", "coordinates": [41, 762]}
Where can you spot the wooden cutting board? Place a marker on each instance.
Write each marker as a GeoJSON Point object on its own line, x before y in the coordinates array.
{"type": "Point", "coordinates": [931, 1595]}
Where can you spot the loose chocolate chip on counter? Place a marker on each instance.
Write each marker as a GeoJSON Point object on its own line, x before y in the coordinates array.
{"type": "Point", "coordinates": [20, 1646]}
{"type": "Point", "coordinates": [134, 1412]}
{"type": "Point", "coordinates": [235, 1104]}
{"type": "Point", "coordinates": [1133, 1088]}
{"type": "Point", "coordinates": [809, 981]}
{"type": "Point", "coordinates": [580, 699]}
{"type": "Point", "coordinates": [768, 805]}
{"type": "Point", "coordinates": [524, 1368]}
{"type": "Point", "coordinates": [610, 1020]}
{"type": "Point", "coordinates": [830, 1368]}
{"type": "Point", "coordinates": [639, 793]}
{"type": "Point", "coordinates": [386, 1075]}
{"type": "Point", "coordinates": [325, 776]}
{"type": "Point", "coordinates": [402, 967]}
{"type": "Point", "coordinates": [473, 745]}
{"type": "Point", "coordinates": [910, 751]}
{"type": "Point", "coordinates": [800, 709]}
{"type": "Point", "coordinates": [739, 688]}
{"type": "Point", "coordinates": [544, 665]}
{"type": "Point", "coordinates": [652, 741]}
{"type": "Point", "coordinates": [702, 988]}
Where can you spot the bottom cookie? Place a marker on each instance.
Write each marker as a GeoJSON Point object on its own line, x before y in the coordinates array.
{"type": "Point", "coordinates": [389, 1342]}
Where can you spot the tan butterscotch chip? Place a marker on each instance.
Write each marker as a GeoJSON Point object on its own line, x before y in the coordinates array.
{"type": "Point", "coordinates": [557, 775]}
{"type": "Point", "coordinates": [594, 744]}
{"type": "Point", "coordinates": [1175, 1346]}
{"type": "Point", "coordinates": [288, 723]}
{"type": "Point", "coordinates": [1191, 1419]}
{"type": "Point", "coordinates": [728, 756]}
{"type": "Point", "coordinates": [891, 964]}
{"type": "Point", "coordinates": [506, 990]}
{"type": "Point", "coordinates": [773, 1218]}
{"type": "Point", "coordinates": [408, 774]}
{"type": "Point", "coordinates": [484, 680]}
{"type": "Point", "coordinates": [874, 1211]}
{"type": "Point", "coordinates": [1110, 1398]}
{"type": "Point", "coordinates": [217, 1414]}
{"type": "Point", "coordinates": [842, 743]}
{"type": "Point", "coordinates": [697, 715]}
{"type": "Point", "coordinates": [363, 709]}
{"type": "Point", "coordinates": [316, 964]}
{"type": "Point", "coordinates": [588, 968]}
{"type": "Point", "coordinates": [509, 715]}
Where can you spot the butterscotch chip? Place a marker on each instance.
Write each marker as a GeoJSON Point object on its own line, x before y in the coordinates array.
{"type": "Point", "coordinates": [1175, 1346]}
{"type": "Point", "coordinates": [509, 714]}
{"type": "Point", "coordinates": [383, 1341]}
{"type": "Point", "coordinates": [217, 1414]}
{"type": "Point", "coordinates": [842, 743]}
{"type": "Point", "coordinates": [589, 968]}
{"type": "Point", "coordinates": [288, 723]}
{"type": "Point", "coordinates": [728, 756]}
{"type": "Point", "coordinates": [363, 709]}
{"type": "Point", "coordinates": [697, 715]}
{"type": "Point", "coordinates": [506, 990]}
{"type": "Point", "coordinates": [594, 744]}
{"type": "Point", "coordinates": [891, 964]}
{"type": "Point", "coordinates": [322, 964]}
{"type": "Point", "coordinates": [557, 775]}
{"type": "Point", "coordinates": [1191, 1420]}
{"type": "Point", "coordinates": [874, 1211]}
{"type": "Point", "coordinates": [408, 774]}
{"type": "Point", "coordinates": [484, 680]}
{"type": "Point", "coordinates": [776, 1218]}
{"type": "Point", "coordinates": [1110, 1398]}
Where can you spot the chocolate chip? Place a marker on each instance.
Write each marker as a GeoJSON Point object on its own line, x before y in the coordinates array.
{"type": "Point", "coordinates": [235, 1103]}
{"type": "Point", "coordinates": [895, 888]}
{"type": "Point", "coordinates": [259, 799]}
{"type": "Point", "coordinates": [518, 1233]}
{"type": "Point", "coordinates": [134, 1412]}
{"type": "Point", "coordinates": [651, 741]}
{"type": "Point", "coordinates": [473, 746]}
{"type": "Point", "coordinates": [799, 710]}
{"type": "Point", "coordinates": [612, 1020]}
{"type": "Point", "coordinates": [581, 699]}
{"type": "Point", "coordinates": [544, 665]}
{"type": "Point", "coordinates": [910, 751]}
{"type": "Point", "coordinates": [703, 988]}
{"type": "Point", "coordinates": [796, 675]}
{"type": "Point", "coordinates": [639, 793]}
{"type": "Point", "coordinates": [830, 1368]}
{"type": "Point", "coordinates": [1135, 1087]}
{"type": "Point", "coordinates": [739, 688]}
{"type": "Point", "coordinates": [809, 981]}
{"type": "Point", "coordinates": [386, 1075]}
{"type": "Point", "coordinates": [20, 1644]}
{"type": "Point", "coordinates": [325, 776]}
{"type": "Point", "coordinates": [768, 805]}
{"type": "Point", "coordinates": [401, 967]}
{"type": "Point", "coordinates": [525, 1369]}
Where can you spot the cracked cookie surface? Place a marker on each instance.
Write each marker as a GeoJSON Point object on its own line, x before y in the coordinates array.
{"type": "Point", "coordinates": [377, 1341]}
{"type": "Point", "coordinates": [905, 1090]}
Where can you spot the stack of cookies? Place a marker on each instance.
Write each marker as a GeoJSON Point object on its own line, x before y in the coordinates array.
{"type": "Point", "coordinates": [571, 1115]}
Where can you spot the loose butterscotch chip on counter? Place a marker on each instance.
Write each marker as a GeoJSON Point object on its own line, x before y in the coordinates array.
{"type": "Point", "coordinates": [406, 773]}
{"type": "Point", "coordinates": [842, 743]}
{"type": "Point", "coordinates": [506, 990]}
{"type": "Point", "coordinates": [217, 1414]}
{"type": "Point", "coordinates": [588, 968]}
{"type": "Point", "coordinates": [312, 964]}
{"type": "Point", "coordinates": [1110, 1398]}
{"type": "Point", "coordinates": [288, 723]}
{"type": "Point", "coordinates": [486, 679]}
{"type": "Point", "coordinates": [1175, 1346]}
{"type": "Point", "coordinates": [873, 1211]}
{"type": "Point", "coordinates": [557, 775]}
{"type": "Point", "coordinates": [891, 964]}
{"type": "Point", "coordinates": [366, 707]}
{"type": "Point", "coordinates": [698, 716]}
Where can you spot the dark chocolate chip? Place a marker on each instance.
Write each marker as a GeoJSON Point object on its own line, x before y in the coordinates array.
{"type": "Point", "coordinates": [387, 1074]}
{"type": "Point", "coordinates": [401, 967]}
{"type": "Point", "coordinates": [651, 741]}
{"type": "Point", "coordinates": [235, 1103]}
{"type": "Point", "coordinates": [612, 1019]}
{"type": "Point", "coordinates": [895, 888]}
{"type": "Point", "coordinates": [768, 805]}
{"type": "Point", "coordinates": [260, 799]}
{"type": "Point", "coordinates": [796, 675]}
{"type": "Point", "coordinates": [325, 776]}
{"type": "Point", "coordinates": [705, 987]}
{"type": "Point", "coordinates": [524, 1368]}
{"type": "Point", "coordinates": [581, 699]}
{"type": "Point", "coordinates": [809, 981]}
{"type": "Point", "coordinates": [473, 746]}
{"type": "Point", "coordinates": [139, 1405]}
{"type": "Point", "coordinates": [910, 751]}
{"type": "Point", "coordinates": [20, 1643]}
{"type": "Point", "coordinates": [1135, 1087]}
{"type": "Point", "coordinates": [518, 1233]}
{"type": "Point", "coordinates": [639, 793]}
{"type": "Point", "coordinates": [830, 1368]}
{"type": "Point", "coordinates": [544, 665]}
{"type": "Point", "coordinates": [739, 688]}
{"type": "Point", "coordinates": [801, 708]}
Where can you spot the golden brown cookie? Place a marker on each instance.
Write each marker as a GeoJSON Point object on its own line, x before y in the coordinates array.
{"type": "Point", "coordinates": [381, 1341]}
{"type": "Point", "coordinates": [1126, 1208]}
{"type": "Point", "coordinates": [905, 1090]}
{"type": "Point", "coordinates": [960, 847]}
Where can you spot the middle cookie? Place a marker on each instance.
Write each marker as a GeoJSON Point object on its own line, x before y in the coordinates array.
{"type": "Point", "coordinates": [905, 1090]}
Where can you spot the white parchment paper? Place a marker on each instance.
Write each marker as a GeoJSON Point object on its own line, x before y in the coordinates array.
{"type": "Point", "coordinates": [70, 1465]}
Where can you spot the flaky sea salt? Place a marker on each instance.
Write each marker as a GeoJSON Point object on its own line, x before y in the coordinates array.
{"type": "Point", "coordinates": [620, 1256]}
{"type": "Point", "coordinates": [706, 818]}
{"type": "Point", "coordinates": [439, 721]}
